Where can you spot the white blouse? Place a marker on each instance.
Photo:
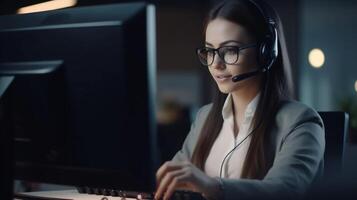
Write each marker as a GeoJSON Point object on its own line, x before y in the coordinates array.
{"type": "Point", "coordinates": [226, 141]}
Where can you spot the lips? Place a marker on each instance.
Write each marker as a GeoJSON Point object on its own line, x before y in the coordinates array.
{"type": "Point", "coordinates": [223, 77]}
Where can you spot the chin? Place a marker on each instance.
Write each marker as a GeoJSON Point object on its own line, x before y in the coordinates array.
{"type": "Point", "coordinates": [225, 90]}
{"type": "Point", "coordinates": [228, 88]}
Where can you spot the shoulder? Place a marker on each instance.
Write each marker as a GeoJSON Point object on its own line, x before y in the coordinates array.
{"type": "Point", "coordinates": [202, 115]}
{"type": "Point", "coordinates": [204, 110]}
{"type": "Point", "coordinates": [292, 114]}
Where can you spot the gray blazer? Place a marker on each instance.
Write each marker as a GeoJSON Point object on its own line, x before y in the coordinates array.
{"type": "Point", "coordinates": [298, 144]}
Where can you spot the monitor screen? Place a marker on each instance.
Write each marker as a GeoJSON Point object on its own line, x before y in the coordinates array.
{"type": "Point", "coordinates": [78, 95]}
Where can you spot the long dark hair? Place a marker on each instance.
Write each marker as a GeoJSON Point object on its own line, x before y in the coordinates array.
{"type": "Point", "coordinates": [276, 86]}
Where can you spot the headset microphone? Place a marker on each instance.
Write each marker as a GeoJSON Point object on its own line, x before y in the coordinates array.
{"type": "Point", "coordinates": [241, 77]}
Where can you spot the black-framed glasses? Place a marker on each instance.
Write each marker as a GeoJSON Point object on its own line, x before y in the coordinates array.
{"type": "Point", "coordinates": [228, 54]}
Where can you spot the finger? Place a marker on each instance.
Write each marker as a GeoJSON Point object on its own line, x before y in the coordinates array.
{"type": "Point", "coordinates": [166, 167]}
{"type": "Point", "coordinates": [184, 186]}
{"type": "Point", "coordinates": [167, 179]}
{"type": "Point", "coordinates": [161, 169]}
{"type": "Point", "coordinates": [179, 180]}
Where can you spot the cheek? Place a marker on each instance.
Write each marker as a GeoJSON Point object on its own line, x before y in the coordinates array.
{"type": "Point", "coordinates": [251, 56]}
{"type": "Point", "coordinates": [247, 61]}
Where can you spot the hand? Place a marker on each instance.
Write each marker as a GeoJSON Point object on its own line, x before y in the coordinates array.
{"type": "Point", "coordinates": [183, 175]}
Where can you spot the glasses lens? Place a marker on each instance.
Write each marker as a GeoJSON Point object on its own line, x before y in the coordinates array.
{"type": "Point", "coordinates": [205, 55]}
{"type": "Point", "coordinates": [229, 54]}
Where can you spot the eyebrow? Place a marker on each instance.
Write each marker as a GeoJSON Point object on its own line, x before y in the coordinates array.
{"type": "Point", "coordinates": [224, 43]}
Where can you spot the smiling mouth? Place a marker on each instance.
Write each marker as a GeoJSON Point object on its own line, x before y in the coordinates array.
{"type": "Point", "coordinates": [223, 76]}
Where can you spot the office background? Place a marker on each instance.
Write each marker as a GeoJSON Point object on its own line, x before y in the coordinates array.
{"type": "Point", "coordinates": [184, 85]}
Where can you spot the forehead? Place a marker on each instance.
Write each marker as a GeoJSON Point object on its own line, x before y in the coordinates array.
{"type": "Point", "coordinates": [220, 30]}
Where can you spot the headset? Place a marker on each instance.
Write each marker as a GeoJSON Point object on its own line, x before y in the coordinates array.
{"type": "Point", "coordinates": [268, 47]}
{"type": "Point", "coordinates": [267, 55]}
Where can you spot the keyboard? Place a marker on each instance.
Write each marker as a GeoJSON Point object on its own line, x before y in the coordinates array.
{"type": "Point", "coordinates": [178, 195]}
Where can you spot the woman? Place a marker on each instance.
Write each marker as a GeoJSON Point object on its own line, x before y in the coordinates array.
{"type": "Point", "coordinates": [252, 141]}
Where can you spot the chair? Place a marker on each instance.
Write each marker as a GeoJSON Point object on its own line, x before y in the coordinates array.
{"type": "Point", "coordinates": [336, 129]}
{"type": "Point", "coordinates": [335, 184]}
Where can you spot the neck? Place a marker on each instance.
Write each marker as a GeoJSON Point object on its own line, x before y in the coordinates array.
{"type": "Point", "coordinates": [242, 97]}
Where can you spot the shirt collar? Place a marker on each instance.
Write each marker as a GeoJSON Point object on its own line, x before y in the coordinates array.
{"type": "Point", "coordinates": [227, 110]}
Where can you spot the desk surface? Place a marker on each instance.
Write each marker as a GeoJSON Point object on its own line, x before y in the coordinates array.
{"type": "Point", "coordinates": [73, 195]}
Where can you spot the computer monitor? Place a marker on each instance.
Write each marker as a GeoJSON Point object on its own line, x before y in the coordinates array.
{"type": "Point", "coordinates": [78, 95]}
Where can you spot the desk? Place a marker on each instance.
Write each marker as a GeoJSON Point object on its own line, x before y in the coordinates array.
{"type": "Point", "coordinates": [72, 194]}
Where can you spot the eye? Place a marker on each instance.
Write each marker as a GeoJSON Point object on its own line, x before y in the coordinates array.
{"type": "Point", "coordinates": [205, 55]}
{"type": "Point", "coordinates": [205, 52]}
{"type": "Point", "coordinates": [230, 54]}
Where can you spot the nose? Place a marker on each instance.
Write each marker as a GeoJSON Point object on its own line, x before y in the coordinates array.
{"type": "Point", "coordinates": [218, 62]}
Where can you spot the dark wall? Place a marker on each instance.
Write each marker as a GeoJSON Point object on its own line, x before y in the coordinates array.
{"type": "Point", "coordinates": [331, 26]}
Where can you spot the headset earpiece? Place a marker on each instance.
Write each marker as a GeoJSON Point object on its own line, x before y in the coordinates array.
{"type": "Point", "coordinates": [267, 51]}
{"type": "Point", "coordinates": [268, 47]}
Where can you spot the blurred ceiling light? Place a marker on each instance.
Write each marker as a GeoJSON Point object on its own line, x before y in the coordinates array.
{"type": "Point", "coordinates": [49, 5]}
{"type": "Point", "coordinates": [356, 85]}
{"type": "Point", "coordinates": [316, 58]}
